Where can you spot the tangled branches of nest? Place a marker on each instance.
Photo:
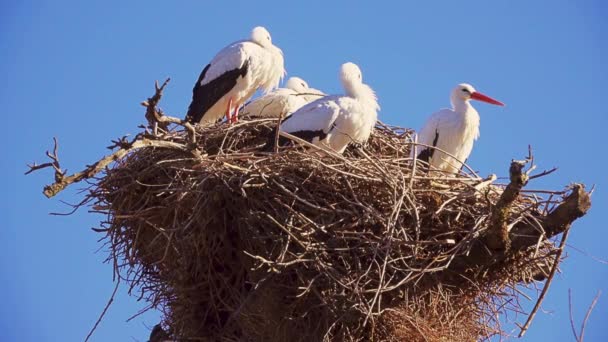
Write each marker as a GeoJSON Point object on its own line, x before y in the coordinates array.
{"type": "Point", "coordinates": [234, 242]}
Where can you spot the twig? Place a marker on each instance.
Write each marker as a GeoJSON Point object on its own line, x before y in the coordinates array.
{"type": "Point", "coordinates": [581, 337]}
{"type": "Point", "coordinates": [276, 133]}
{"type": "Point", "coordinates": [59, 173]}
{"type": "Point", "coordinates": [571, 317]}
{"type": "Point", "coordinates": [157, 119]}
{"type": "Point", "coordinates": [588, 314]}
{"type": "Point", "coordinates": [544, 173]}
{"type": "Point", "coordinates": [152, 114]}
{"type": "Point", "coordinates": [105, 309]}
{"type": "Point", "coordinates": [558, 255]}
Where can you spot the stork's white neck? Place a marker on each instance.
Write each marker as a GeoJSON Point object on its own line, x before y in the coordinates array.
{"type": "Point", "coordinates": [467, 115]}
{"type": "Point", "coordinates": [361, 92]}
{"type": "Point", "coordinates": [462, 106]}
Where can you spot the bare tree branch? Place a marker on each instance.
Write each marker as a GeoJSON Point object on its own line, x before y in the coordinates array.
{"type": "Point", "coordinates": [105, 309]}
{"type": "Point", "coordinates": [497, 237]}
{"type": "Point", "coordinates": [91, 170]}
{"type": "Point", "coordinates": [524, 235]}
{"type": "Point", "coordinates": [576, 338]}
{"type": "Point", "coordinates": [59, 173]}
{"type": "Point", "coordinates": [124, 145]}
{"type": "Point", "coordinates": [157, 119]}
{"type": "Point", "coordinates": [588, 314]}
{"type": "Point", "coordinates": [540, 299]}
{"type": "Point", "coordinates": [153, 115]}
{"type": "Point", "coordinates": [581, 337]}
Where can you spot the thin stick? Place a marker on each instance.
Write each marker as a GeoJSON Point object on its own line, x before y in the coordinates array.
{"type": "Point", "coordinates": [572, 318]}
{"type": "Point", "coordinates": [558, 255]}
{"type": "Point", "coordinates": [276, 134]}
{"type": "Point", "coordinates": [103, 313]}
{"type": "Point", "coordinates": [588, 314]}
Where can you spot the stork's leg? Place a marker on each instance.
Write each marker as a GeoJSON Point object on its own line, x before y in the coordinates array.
{"type": "Point", "coordinates": [235, 116]}
{"type": "Point", "coordinates": [228, 116]}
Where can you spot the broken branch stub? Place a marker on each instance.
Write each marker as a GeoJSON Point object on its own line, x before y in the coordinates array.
{"type": "Point", "coordinates": [497, 237]}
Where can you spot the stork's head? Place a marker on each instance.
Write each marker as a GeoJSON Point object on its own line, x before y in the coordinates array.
{"type": "Point", "coordinates": [297, 84]}
{"type": "Point", "coordinates": [352, 81]}
{"type": "Point", "coordinates": [350, 74]}
{"type": "Point", "coordinates": [261, 36]}
{"type": "Point", "coordinates": [465, 92]}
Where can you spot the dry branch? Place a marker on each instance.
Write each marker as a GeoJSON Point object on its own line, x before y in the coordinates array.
{"type": "Point", "coordinates": [103, 313]}
{"type": "Point", "coordinates": [580, 337]}
{"type": "Point", "coordinates": [498, 234]}
{"type": "Point", "coordinates": [153, 115]}
{"type": "Point", "coordinates": [524, 234]}
{"type": "Point", "coordinates": [543, 293]}
{"type": "Point", "coordinates": [62, 181]}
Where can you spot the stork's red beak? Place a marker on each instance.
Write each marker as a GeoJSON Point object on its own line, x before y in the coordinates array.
{"type": "Point", "coordinates": [481, 97]}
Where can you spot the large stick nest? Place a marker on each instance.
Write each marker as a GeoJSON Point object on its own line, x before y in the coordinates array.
{"type": "Point", "coordinates": [237, 243]}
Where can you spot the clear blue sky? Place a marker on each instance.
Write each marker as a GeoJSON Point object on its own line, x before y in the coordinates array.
{"type": "Point", "coordinates": [78, 71]}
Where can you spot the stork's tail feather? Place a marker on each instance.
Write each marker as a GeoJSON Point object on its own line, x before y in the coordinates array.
{"type": "Point", "coordinates": [426, 155]}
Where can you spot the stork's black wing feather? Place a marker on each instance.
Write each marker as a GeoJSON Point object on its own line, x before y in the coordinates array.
{"type": "Point", "coordinates": [426, 154]}
{"type": "Point", "coordinates": [206, 95]}
{"type": "Point", "coordinates": [305, 135]}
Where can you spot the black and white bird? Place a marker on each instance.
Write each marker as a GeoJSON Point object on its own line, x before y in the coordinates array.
{"type": "Point", "coordinates": [452, 130]}
{"type": "Point", "coordinates": [335, 121]}
{"type": "Point", "coordinates": [282, 102]}
{"type": "Point", "coordinates": [233, 76]}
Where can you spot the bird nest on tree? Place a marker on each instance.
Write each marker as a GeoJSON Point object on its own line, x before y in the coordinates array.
{"type": "Point", "coordinates": [234, 242]}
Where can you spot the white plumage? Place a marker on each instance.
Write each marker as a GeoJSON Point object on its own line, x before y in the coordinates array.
{"type": "Point", "coordinates": [234, 75]}
{"type": "Point", "coordinates": [282, 101]}
{"type": "Point", "coordinates": [337, 120]}
{"type": "Point", "coordinates": [452, 130]}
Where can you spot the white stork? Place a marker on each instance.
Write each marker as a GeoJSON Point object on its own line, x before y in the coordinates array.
{"type": "Point", "coordinates": [282, 101]}
{"type": "Point", "coordinates": [335, 121]}
{"type": "Point", "coordinates": [233, 76]}
{"type": "Point", "coordinates": [452, 130]}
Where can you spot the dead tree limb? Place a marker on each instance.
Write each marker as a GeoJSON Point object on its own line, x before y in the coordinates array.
{"type": "Point", "coordinates": [498, 234]}
{"type": "Point", "coordinates": [524, 235]}
{"type": "Point", "coordinates": [157, 119]}
{"type": "Point", "coordinates": [153, 115]}
{"type": "Point", "coordinates": [62, 181]}
{"type": "Point", "coordinates": [54, 163]}
{"type": "Point", "coordinates": [575, 205]}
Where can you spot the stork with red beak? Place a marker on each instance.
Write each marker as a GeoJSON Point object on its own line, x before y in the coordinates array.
{"type": "Point", "coordinates": [452, 131]}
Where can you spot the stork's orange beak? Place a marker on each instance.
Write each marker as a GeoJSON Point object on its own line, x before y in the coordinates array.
{"type": "Point", "coordinates": [484, 98]}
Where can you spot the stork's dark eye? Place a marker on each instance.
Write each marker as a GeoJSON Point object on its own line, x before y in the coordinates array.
{"type": "Point", "coordinates": [466, 90]}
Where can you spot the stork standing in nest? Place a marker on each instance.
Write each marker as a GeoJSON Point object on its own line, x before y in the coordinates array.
{"type": "Point", "coordinates": [233, 76]}
{"type": "Point", "coordinates": [283, 101]}
{"type": "Point", "coordinates": [335, 121]}
{"type": "Point", "coordinates": [452, 130]}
